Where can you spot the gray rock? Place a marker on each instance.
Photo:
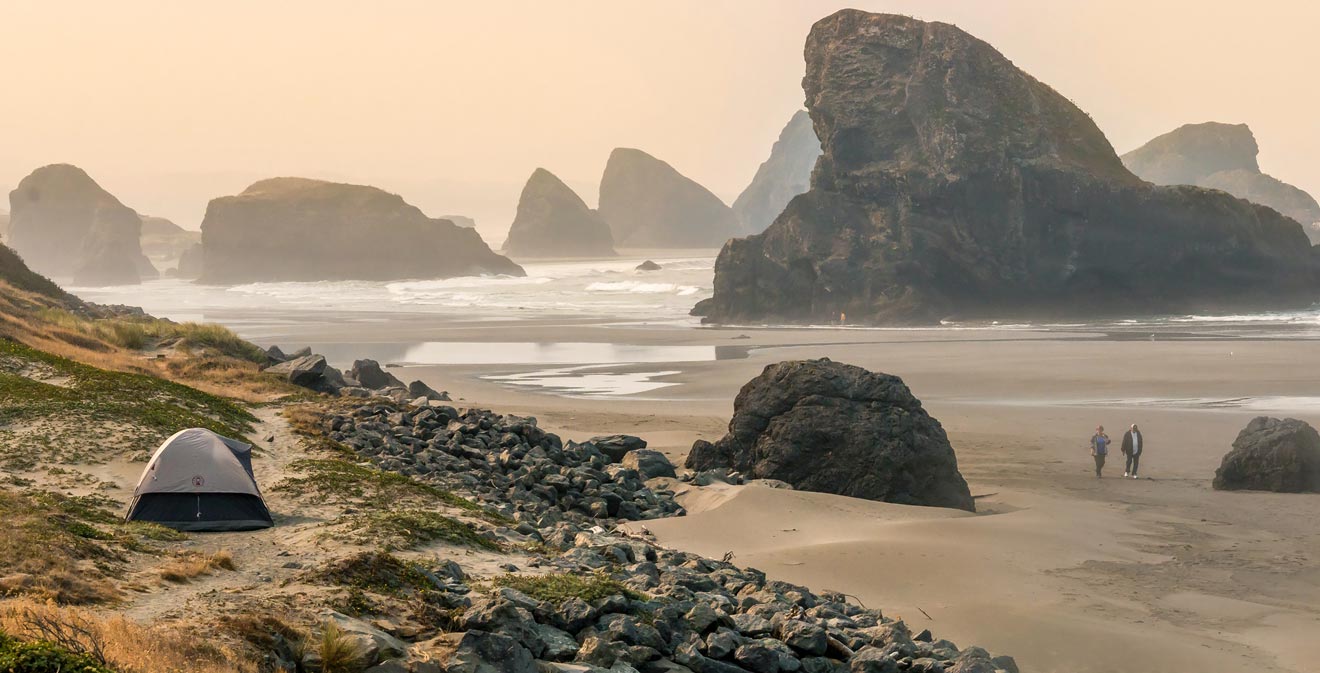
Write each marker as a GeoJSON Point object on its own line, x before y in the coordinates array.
{"type": "Point", "coordinates": [559, 645]}
{"type": "Point", "coordinates": [1272, 455]}
{"type": "Point", "coordinates": [482, 652]}
{"type": "Point", "coordinates": [420, 389]}
{"type": "Point", "coordinates": [616, 446]}
{"type": "Point", "coordinates": [808, 639]}
{"type": "Point", "coordinates": [370, 375]}
{"type": "Point", "coordinates": [872, 660]}
{"type": "Point", "coordinates": [374, 644]}
{"type": "Point", "coordinates": [648, 463]}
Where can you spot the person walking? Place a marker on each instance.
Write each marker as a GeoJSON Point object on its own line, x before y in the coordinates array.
{"type": "Point", "coordinates": [1099, 449]}
{"type": "Point", "coordinates": [1133, 445]}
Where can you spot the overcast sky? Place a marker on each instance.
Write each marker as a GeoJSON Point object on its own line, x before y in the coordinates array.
{"type": "Point", "coordinates": [453, 104]}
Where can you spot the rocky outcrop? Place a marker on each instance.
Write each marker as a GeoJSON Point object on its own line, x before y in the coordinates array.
{"type": "Point", "coordinates": [164, 242]}
{"type": "Point", "coordinates": [952, 184]}
{"type": "Point", "coordinates": [296, 229]}
{"type": "Point", "coordinates": [552, 221]}
{"type": "Point", "coordinates": [64, 225]}
{"type": "Point", "coordinates": [783, 176]}
{"type": "Point", "coordinates": [1221, 156]}
{"type": "Point", "coordinates": [648, 204]}
{"type": "Point", "coordinates": [461, 220]}
{"type": "Point", "coordinates": [190, 263]}
{"type": "Point", "coordinates": [1272, 455]}
{"type": "Point", "coordinates": [835, 428]}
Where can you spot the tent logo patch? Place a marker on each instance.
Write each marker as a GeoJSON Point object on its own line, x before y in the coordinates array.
{"type": "Point", "coordinates": [198, 481]}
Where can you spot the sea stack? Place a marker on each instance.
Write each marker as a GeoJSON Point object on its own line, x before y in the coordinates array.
{"type": "Point", "coordinates": [163, 241]}
{"type": "Point", "coordinates": [1221, 156]}
{"type": "Point", "coordinates": [783, 176]}
{"type": "Point", "coordinates": [66, 226]}
{"type": "Point", "coordinates": [553, 221]}
{"type": "Point", "coordinates": [954, 185]}
{"type": "Point", "coordinates": [648, 204]}
{"type": "Point", "coordinates": [298, 229]}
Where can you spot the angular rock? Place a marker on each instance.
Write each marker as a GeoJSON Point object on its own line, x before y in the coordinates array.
{"type": "Point", "coordinates": [420, 389]}
{"type": "Point", "coordinates": [553, 221]}
{"type": "Point", "coordinates": [615, 447]}
{"type": "Point", "coordinates": [783, 176]}
{"type": "Point", "coordinates": [483, 652]}
{"type": "Point", "coordinates": [872, 660]}
{"type": "Point", "coordinates": [306, 371]}
{"type": "Point", "coordinates": [835, 428]}
{"type": "Point", "coordinates": [66, 226]}
{"type": "Point", "coordinates": [374, 644]}
{"type": "Point", "coordinates": [296, 229]}
{"type": "Point", "coordinates": [1272, 455]}
{"type": "Point", "coordinates": [370, 375]}
{"type": "Point", "coordinates": [648, 204]}
{"type": "Point", "coordinates": [954, 185]}
{"type": "Point", "coordinates": [1221, 156]}
{"type": "Point", "coordinates": [648, 463]}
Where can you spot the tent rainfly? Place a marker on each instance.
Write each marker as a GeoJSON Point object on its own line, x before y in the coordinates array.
{"type": "Point", "coordinates": [200, 481]}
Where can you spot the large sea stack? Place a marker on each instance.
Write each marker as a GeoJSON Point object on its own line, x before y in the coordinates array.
{"type": "Point", "coordinates": [1221, 156]}
{"type": "Point", "coordinates": [648, 204]}
{"type": "Point", "coordinates": [783, 176]}
{"type": "Point", "coordinates": [952, 184]}
{"type": "Point", "coordinates": [835, 428]}
{"type": "Point", "coordinates": [66, 226]}
{"type": "Point", "coordinates": [553, 221]}
{"type": "Point", "coordinates": [296, 229]}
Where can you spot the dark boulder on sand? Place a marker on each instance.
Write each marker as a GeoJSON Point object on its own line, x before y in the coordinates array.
{"type": "Point", "coordinates": [66, 226]}
{"type": "Point", "coordinates": [835, 428]}
{"type": "Point", "coordinates": [296, 229]}
{"type": "Point", "coordinates": [371, 376]}
{"type": "Point", "coordinates": [553, 221]}
{"type": "Point", "coordinates": [648, 265]}
{"type": "Point", "coordinates": [1272, 455]}
{"type": "Point", "coordinates": [955, 185]}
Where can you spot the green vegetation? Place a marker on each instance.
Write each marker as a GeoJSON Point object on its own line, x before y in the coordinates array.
{"type": "Point", "coordinates": [63, 548]}
{"type": "Point", "coordinates": [137, 333]}
{"type": "Point", "coordinates": [73, 398]}
{"type": "Point", "coordinates": [341, 480]}
{"type": "Point", "coordinates": [398, 529]}
{"type": "Point", "coordinates": [44, 657]}
{"type": "Point", "coordinates": [558, 587]}
{"type": "Point", "coordinates": [379, 572]}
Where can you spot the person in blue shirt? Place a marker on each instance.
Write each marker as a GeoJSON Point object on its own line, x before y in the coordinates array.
{"type": "Point", "coordinates": [1099, 449]}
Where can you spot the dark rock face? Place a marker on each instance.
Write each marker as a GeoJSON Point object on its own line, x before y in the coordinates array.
{"type": "Point", "coordinates": [295, 229]}
{"type": "Point", "coordinates": [370, 374]}
{"type": "Point", "coordinates": [648, 204]}
{"type": "Point", "coordinates": [66, 226]}
{"type": "Point", "coordinates": [1272, 455]}
{"type": "Point", "coordinates": [1223, 157]}
{"type": "Point", "coordinates": [552, 221]}
{"type": "Point", "coordinates": [952, 184]}
{"type": "Point", "coordinates": [783, 176]}
{"type": "Point", "coordinates": [835, 428]}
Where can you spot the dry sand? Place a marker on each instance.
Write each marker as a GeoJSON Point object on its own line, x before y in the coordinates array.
{"type": "Point", "coordinates": [1063, 571]}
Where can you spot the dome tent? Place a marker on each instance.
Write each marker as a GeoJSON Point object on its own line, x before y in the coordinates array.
{"type": "Point", "coordinates": [200, 481]}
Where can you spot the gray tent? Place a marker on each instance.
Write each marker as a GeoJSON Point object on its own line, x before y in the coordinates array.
{"type": "Point", "coordinates": [200, 481]}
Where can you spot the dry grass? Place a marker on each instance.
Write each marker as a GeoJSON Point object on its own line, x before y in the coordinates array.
{"type": "Point", "coordinates": [339, 652]}
{"type": "Point", "coordinates": [192, 565]}
{"type": "Point", "coordinates": [52, 552]}
{"type": "Point", "coordinates": [120, 643]}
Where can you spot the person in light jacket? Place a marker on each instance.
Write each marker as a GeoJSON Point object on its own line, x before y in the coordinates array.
{"type": "Point", "coordinates": [1133, 445]}
{"type": "Point", "coordinates": [1099, 449]}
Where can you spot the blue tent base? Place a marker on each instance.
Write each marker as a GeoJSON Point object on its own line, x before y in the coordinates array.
{"type": "Point", "coordinates": [202, 512]}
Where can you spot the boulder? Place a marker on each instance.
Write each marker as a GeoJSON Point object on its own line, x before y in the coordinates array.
{"type": "Point", "coordinates": [296, 229]}
{"type": "Point", "coordinates": [835, 428]}
{"type": "Point", "coordinates": [420, 389]}
{"type": "Point", "coordinates": [369, 374]}
{"type": "Point", "coordinates": [648, 463]}
{"type": "Point", "coordinates": [1221, 156]}
{"type": "Point", "coordinates": [1272, 455]}
{"type": "Point", "coordinates": [372, 643]}
{"type": "Point", "coordinates": [483, 652]}
{"type": "Point", "coordinates": [615, 447]}
{"type": "Point", "coordinates": [66, 226]}
{"type": "Point", "coordinates": [648, 265]}
{"type": "Point", "coordinates": [307, 371]}
{"type": "Point", "coordinates": [648, 204]}
{"type": "Point", "coordinates": [783, 176]}
{"type": "Point", "coordinates": [954, 185]}
{"type": "Point", "coordinates": [553, 221]}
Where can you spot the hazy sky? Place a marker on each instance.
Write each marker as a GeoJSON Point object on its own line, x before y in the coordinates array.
{"type": "Point", "coordinates": [452, 104]}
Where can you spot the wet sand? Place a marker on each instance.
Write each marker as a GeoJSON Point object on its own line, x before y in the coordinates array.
{"type": "Point", "coordinates": [1063, 571]}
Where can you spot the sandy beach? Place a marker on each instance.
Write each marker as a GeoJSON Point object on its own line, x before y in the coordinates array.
{"type": "Point", "coordinates": [1064, 571]}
